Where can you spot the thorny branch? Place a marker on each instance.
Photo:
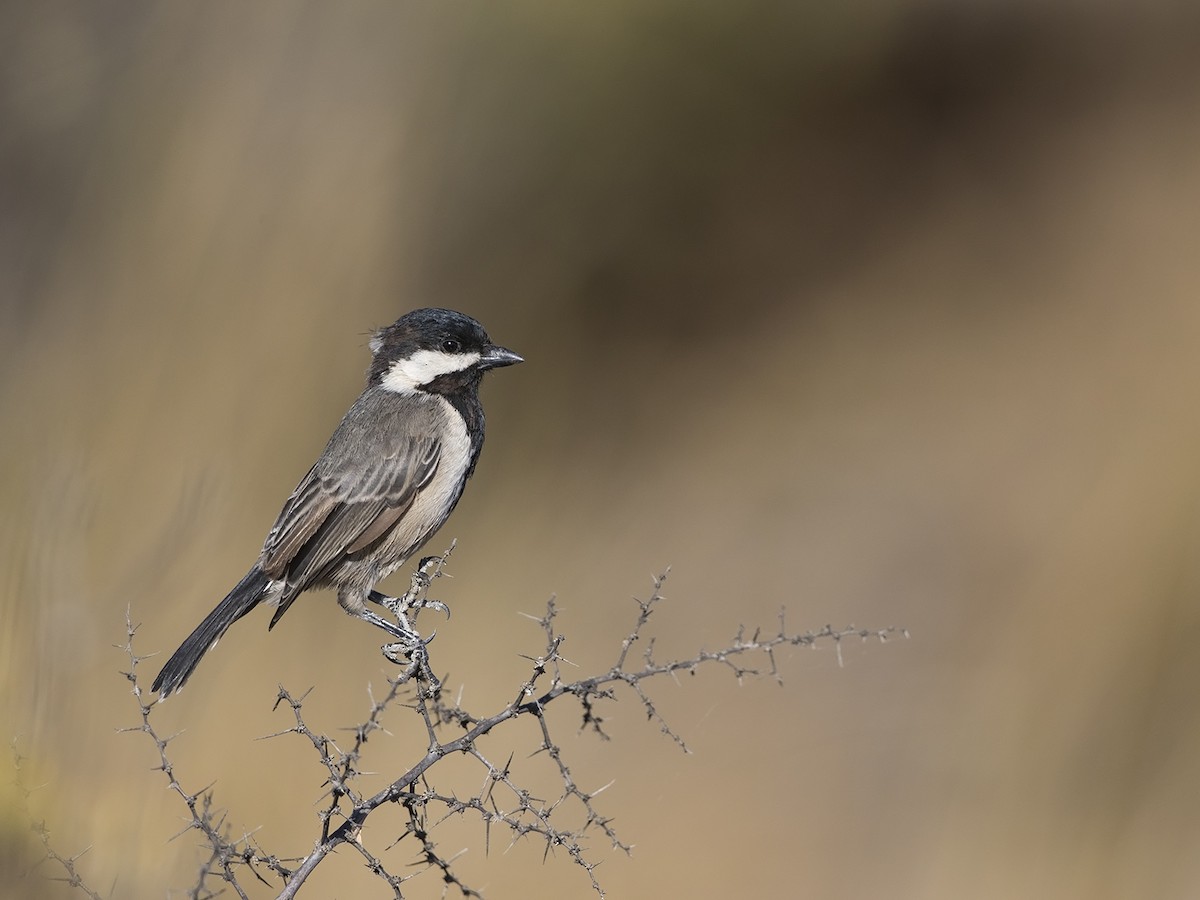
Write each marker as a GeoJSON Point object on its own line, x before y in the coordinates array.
{"type": "Point", "coordinates": [501, 801]}
{"type": "Point", "coordinates": [67, 863]}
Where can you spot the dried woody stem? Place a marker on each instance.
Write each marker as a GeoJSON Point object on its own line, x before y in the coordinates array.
{"type": "Point", "coordinates": [70, 876]}
{"type": "Point", "coordinates": [501, 800]}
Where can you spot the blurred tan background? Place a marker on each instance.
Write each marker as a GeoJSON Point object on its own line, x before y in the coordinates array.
{"type": "Point", "coordinates": [883, 311]}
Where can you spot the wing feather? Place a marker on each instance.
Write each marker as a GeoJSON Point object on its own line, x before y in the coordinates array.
{"type": "Point", "coordinates": [303, 513]}
{"type": "Point", "coordinates": [366, 480]}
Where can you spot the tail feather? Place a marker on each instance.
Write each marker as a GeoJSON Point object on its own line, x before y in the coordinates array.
{"type": "Point", "coordinates": [243, 598]}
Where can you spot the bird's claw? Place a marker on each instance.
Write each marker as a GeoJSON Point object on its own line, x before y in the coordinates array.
{"type": "Point", "coordinates": [400, 607]}
{"type": "Point", "coordinates": [435, 604]}
{"type": "Point", "coordinates": [411, 654]}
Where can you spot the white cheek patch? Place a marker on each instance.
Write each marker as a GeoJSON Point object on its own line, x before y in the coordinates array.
{"type": "Point", "coordinates": [407, 375]}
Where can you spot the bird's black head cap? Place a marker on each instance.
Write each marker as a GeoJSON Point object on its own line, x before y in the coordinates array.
{"type": "Point", "coordinates": [433, 349]}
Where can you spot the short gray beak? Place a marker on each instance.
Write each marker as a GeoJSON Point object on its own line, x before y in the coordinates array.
{"type": "Point", "coordinates": [494, 357]}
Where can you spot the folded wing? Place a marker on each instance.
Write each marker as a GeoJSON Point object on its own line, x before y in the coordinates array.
{"type": "Point", "coordinates": [333, 514]}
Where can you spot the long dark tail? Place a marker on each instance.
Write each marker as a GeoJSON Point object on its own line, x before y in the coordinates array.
{"type": "Point", "coordinates": [183, 662]}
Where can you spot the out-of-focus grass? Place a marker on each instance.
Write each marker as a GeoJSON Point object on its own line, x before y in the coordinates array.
{"type": "Point", "coordinates": [885, 314]}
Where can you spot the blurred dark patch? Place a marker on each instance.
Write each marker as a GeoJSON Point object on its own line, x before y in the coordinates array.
{"type": "Point", "coordinates": [59, 66]}
{"type": "Point", "coordinates": [950, 66]}
{"type": "Point", "coordinates": [718, 159]}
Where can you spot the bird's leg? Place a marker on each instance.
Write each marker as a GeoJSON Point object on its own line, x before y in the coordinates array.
{"type": "Point", "coordinates": [403, 631]}
{"type": "Point", "coordinates": [409, 648]}
{"type": "Point", "coordinates": [414, 598]}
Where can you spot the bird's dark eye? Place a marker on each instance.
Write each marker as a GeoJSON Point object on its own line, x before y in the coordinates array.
{"type": "Point", "coordinates": [451, 346]}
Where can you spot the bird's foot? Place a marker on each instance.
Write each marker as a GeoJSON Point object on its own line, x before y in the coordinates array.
{"type": "Point", "coordinates": [401, 607]}
{"type": "Point", "coordinates": [413, 654]}
{"type": "Point", "coordinates": [414, 598]}
{"type": "Point", "coordinates": [410, 649]}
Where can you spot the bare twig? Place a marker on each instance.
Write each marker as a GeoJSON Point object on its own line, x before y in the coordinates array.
{"type": "Point", "coordinates": [502, 802]}
{"type": "Point", "coordinates": [70, 874]}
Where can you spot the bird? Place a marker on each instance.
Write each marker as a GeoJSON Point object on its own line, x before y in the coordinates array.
{"type": "Point", "coordinates": [389, 478]}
